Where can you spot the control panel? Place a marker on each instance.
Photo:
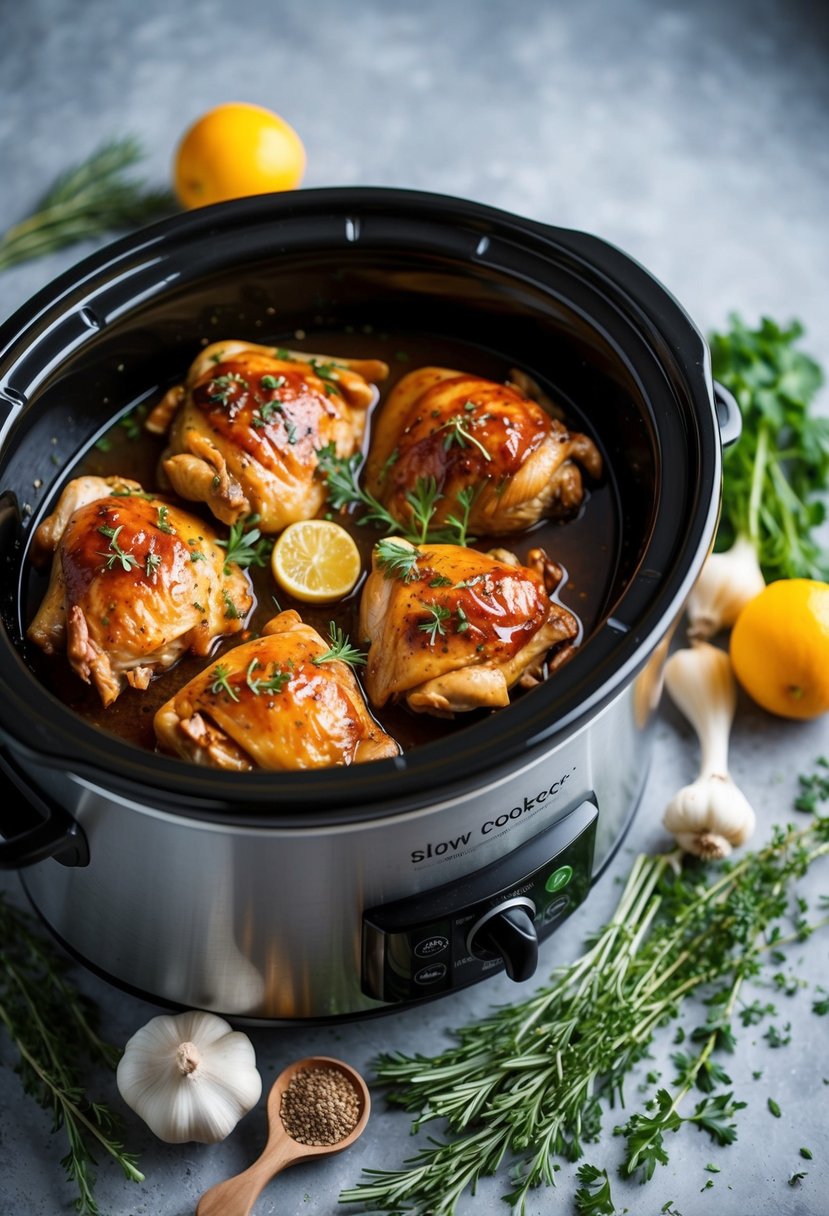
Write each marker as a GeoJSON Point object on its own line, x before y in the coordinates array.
{"type": "Point", "coordinates": [488, 921]}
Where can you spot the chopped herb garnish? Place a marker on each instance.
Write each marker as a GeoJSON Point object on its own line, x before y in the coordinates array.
{"type": "Point", "coordinates": [440, 580]}
{"type": "Point", "coordinates": [291, 429]}
{"type": "Point", "coordinates": [217, 356]}
{"type": "Point", "coordinates": [246, 548]}
{"type": "Point", "coordinates": [196, 556]}
{"type": "Point", "coordinates": [439, 614]}
{"type": "Point", "coordinates": [151, 563]}
{"type": "Point", "coordinates": [132, 422]}
{"type": "Point", "coordinates": [116, 553]}
{"type": "Point", "coordinates": [221, 387]}
{"type": "Point", "coordinates": [220, 684]}
{"type": "Point", "coordinates": [275, 682]}
{"type": "Point", "coordinates": [163, 523]}
{"type": "Point", "coordinates": [797, 1178]}
{"type": "Point", "coordinates": [198, 607]}
{"type": "Point", "coordinates": [273, 382]}
{"type": "Point", "coordinates": [397, 560]}
{"type": "Point", "coordinates": [231, 611]}
{"type": "Point", "coordinates": [806, 1153]}
{"type": "Point", "coordinates": [463, 620]}
{"type": "Point", "coordinates": [774, 1108]}
{"type": "Point", "coordinates": [456, 432]}
{"type": "Point", "coordinates": [341, 649]}
{"type": "Point", "coordinates": [328, 373]}
{"type": "Point", "coordinates": [263, 414]}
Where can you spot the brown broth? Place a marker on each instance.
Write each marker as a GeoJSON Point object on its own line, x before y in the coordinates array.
{"type": "Point", "coordinates": [586, 547]}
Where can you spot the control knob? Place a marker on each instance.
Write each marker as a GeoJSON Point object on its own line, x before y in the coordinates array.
{"type": "Point", "coordinates": [507, 931]}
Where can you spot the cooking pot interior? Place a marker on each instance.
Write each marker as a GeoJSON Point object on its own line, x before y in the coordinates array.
{"type": "Point", "coordinates": [120, 337]}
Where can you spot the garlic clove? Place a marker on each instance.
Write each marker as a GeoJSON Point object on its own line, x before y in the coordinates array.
{"type": "Point", "coordinates": [189, 1077]}
{"type": "Point", "coordinates": [725, 585]}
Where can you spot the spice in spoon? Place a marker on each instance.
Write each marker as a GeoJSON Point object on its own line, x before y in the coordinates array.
{"type": "Point", "coordinates": [320, 1106]}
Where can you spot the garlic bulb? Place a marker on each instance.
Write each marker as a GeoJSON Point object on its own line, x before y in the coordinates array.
{"type": "Point", "coordinates": [711, 815]}
{"type": "Point", "coordinates": [725, 585]}
{"type": "Point", "coordinates": [189, 1077]}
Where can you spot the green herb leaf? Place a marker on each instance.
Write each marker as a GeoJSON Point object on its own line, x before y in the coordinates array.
{"type": "Point", "coordinates": [341, 649]}
{"type": "Point", "coordinates": [777, 474]}
{"type": "Point", "coordinates": [774, 1108]}
{"type": "Point", "coordinates": [435, 624]}
{"type": "Point", "coordinates": [92, 199]}
{"type": "Point", "coordinates": [593, 1197]}
{"type": "Point", "coordinates": [246, 547]}
{"type": "Point", "coordinates": [116, 554]}
{"type": "Point", "coordinates": [397, 560]}
{"type": "Point", "coordinates": [220, 681]}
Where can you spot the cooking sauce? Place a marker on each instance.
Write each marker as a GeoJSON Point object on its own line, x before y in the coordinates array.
{"type": "Point", "coordinates": [585, 546]}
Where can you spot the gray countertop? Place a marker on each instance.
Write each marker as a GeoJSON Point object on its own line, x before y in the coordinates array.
{"type": "Point", "coordinates": [694, 137]}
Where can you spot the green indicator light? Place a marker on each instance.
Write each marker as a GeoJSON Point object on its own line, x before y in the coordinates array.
{"type": "Point", "coordinates": [559, 878]}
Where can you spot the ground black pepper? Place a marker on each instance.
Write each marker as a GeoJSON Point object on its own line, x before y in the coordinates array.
{"type": "Point", "coordinates": [320, 1106]}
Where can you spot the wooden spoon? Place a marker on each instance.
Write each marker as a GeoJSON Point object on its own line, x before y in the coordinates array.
{"type": "Point", "coordinates": [236, 1196]}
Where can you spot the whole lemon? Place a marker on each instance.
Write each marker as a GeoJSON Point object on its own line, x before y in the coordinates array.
{"type": "Point", "coordinates": [780, 648]}
{"type": "Point", "coordinates": [235, 150]}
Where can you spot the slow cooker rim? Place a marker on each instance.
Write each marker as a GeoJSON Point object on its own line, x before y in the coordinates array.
{"type": "Point", "coordinates": [207, 793]}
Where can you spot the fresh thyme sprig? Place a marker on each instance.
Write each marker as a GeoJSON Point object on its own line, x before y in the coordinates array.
{"type": "Point", "coordinates": [275, 682]}
{"type": "Point", "coordinates": [341, 475]}
{"type": "Point", "coordinates": [53, 1030]}
{"type": "Point", "coordinates": [116, 554]}
{"type": "Point", "coordinates": [530, 1081]}
{"type": "Point", "coordinates": [341, 649]}
{"type": "Point", "coordinates": [220, 682]}
{"type": "Point", "coordinates": [246, 548]}
{"type": "Point", "coordinates": [92, 199]}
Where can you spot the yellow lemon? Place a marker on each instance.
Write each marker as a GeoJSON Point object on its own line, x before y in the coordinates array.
{"type": "Point", "coordinates": [236, 150]}
{"type": "Point", "coordinates": [780, 648]}
{"type": "Point", "coordinates": [316, 561]}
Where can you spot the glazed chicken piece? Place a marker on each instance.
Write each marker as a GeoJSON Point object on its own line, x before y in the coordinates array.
{"type": "Point", "coordinates": [245, 428]}
{"type": "Point", "coordinates": [135, 583]}
{"type": "Point", "coordinates": [452, 629]}
{"type": "Point", "coordinates": [476, 437]}
{"type": "Point", "coordinates": [274, 703]}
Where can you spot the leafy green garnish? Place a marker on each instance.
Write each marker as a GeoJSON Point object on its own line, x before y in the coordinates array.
{"type": "Point", "coordinates": [90, 200]}
{"type": "Point", "coordinates": [246, 548]}
{"type": "Point", "coordinates": [53, 1030]}
{"type": "Point", "coordinates": [341, 649]}
{"type": "Point", "coordinates": [220, 681]}
{"type": "Point", "coordinates": [596, 1201]}
{"type": "Point", "coordinates": [530, 1082]}
{"type": "Point", "coordinates": [775, 474]}
{"type": "Point", "coordinates": [116, 554]}
{"type": "Point", "coordinates": [397, 560]}
{"type": "Point", "coordinates": [435, 624]}
{"type": "Point", "coordinates": [274, 683]}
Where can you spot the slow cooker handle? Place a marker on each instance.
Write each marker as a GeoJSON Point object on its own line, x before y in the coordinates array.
{"type": "Point", "coordinates": [728, 415]}
{"type": "Point", "coordinates": [34, 827]}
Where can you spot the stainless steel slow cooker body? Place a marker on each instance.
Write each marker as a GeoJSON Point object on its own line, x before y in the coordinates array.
{"type": "Point", "coordinates": [312, 895]}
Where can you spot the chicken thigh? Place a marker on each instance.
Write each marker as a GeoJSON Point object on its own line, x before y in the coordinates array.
{"type": "Point", "coordinates": [282, 701]}
{"type": "Point", "coordinates": [480, 439]}
{"type": "Point", "coordinates": [452, 629]}
{"type": "Point", "coordinates": [135, 583]}
{"type": "Point", "coordinates": [246, 426]}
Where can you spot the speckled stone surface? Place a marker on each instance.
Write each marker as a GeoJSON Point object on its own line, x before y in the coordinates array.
{"type": "Point", "coordinates": [694, 137]}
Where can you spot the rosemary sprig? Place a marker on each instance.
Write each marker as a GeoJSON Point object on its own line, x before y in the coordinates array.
{"type": "Point", "coordinates": [274, 683]}
{"type": "Point", "coordinates": [246, 548]}
{"type": "Point", "coordinates": [92, 199]}
{"type": "Point", "coordinates": [530, 1082]}
{"type": "Point", "coordinates": [53, 1030]}
{"type": "Point", "coordinates": [341, 649]}
{"type": "Point", "coordinates": [397, 560]}
{"type": "Point", "coordinates": [220, 682]}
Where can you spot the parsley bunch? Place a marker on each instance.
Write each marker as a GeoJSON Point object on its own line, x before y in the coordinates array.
{"type": "Point", "coordinates": [774, 477]}
{"type": "Point", "coordinates": [530, 1083]}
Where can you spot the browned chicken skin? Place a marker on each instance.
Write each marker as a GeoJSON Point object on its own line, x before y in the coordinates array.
{"type": "Point", "coordinates": [267, 704]}
{"type": "Point", "coordinates": [135, 583]}
{"type": "Point", "coordinates": [246, 426]}
{"type": "Point", "coordinates": [471, 434]}
{"type": "Point", "coordinates": [458, 629]}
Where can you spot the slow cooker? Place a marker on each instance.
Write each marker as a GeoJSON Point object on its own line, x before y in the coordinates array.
{"type": "Point", "coordinates": [280, 896]}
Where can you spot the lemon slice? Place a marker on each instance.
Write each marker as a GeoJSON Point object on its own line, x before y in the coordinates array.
{"type": "Point", "coordinates": [315, 561]}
